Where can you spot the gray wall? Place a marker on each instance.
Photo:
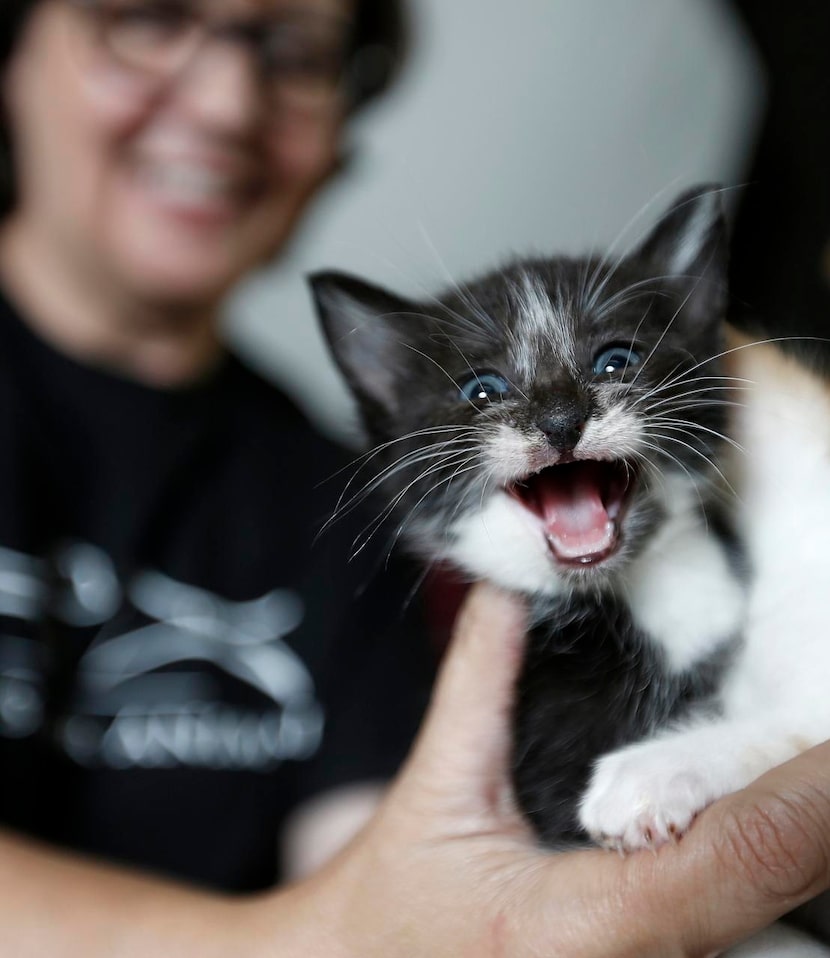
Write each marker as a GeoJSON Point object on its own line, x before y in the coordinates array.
{"type": "Point", "coordinates": [520, 126]}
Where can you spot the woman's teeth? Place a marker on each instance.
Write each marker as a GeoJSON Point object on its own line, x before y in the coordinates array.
{"type": "Point", "coordinates": [192, 184]}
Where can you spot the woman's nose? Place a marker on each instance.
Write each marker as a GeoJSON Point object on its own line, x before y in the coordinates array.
{"type": "Point", "coordinates": [221, 87]}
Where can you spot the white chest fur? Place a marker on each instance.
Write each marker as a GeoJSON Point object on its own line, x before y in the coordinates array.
{"type": "Point", "coordinates": [682, 590]}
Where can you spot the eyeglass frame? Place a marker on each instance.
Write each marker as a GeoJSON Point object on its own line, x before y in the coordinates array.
{"type": "Point", "coordinates": [249, 32]}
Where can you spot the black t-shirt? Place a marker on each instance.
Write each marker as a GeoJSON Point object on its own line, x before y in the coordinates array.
{"type": "Point", "coordinates": [181, 662]}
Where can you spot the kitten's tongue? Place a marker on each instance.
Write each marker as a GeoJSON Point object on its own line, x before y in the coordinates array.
{"type": "Point", "coordinates": [576, 522]}
{"type": "Point", "coordinates": [573, 502]}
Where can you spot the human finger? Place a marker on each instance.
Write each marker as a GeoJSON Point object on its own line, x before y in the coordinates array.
{"type": "Point", "coordinates": [749, 859]}
{"type": "Point", "coordinates": [465, 736]}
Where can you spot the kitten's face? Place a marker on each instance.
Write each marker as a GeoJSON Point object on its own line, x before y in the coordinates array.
{"type": "Point", "coordinates": [535, 426]}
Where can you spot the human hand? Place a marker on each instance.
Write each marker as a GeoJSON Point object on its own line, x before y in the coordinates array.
{"type": "Point", "coordinates": [448, 868]}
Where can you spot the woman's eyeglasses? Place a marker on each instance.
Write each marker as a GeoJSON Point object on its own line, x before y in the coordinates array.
{"type": "Point", "coordinates": [302, 55]}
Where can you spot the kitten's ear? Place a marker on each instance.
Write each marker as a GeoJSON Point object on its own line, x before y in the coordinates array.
{"type": "Point", "coordinates": [689, 245]}
{"type": "Point", "coordinates": [691, 236]}
{"type": "Point", "coordinates": [362, 324]}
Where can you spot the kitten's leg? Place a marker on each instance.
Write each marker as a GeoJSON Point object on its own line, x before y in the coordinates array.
{"type": "Point", "coordinates": [646, 794]}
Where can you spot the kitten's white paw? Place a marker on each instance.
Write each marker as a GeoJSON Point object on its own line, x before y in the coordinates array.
{"type": "Point", "coordinates": [646, 795]}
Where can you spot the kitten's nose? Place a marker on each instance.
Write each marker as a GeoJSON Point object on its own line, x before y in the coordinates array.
{"type": "Point", "coordinates": [563, 421]}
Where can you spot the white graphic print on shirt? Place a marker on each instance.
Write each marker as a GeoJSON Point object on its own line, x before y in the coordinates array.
{"type": "Point", "coordinates": [148, 696]}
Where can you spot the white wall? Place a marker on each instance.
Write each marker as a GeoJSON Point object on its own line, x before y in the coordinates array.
{"type": "Point", "coordinates": [520, 126]}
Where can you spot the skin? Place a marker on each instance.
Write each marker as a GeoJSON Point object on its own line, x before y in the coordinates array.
{"type": "Point", "coordinates": [446, 868]}
{"type": "Point", "coordinates": [117, 277]}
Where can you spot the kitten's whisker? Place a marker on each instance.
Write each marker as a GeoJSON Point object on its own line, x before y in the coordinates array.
{"type": "Point", "coordinates": [701, 390]}
{"type": "Point", "coordinates": [417, 585]}
{"type": "Point", "coordinates": [612, 271]}
{"type": "Point", "coordinates": [432, 449]}
{"type": "Point", "coordinates": [518, 389]}
{"type": "Point", "coordinates": [652, 472]}
{"type": "Point", "coordinates": [697, 452]}
{"type": "Point", "coordinates": [690, 427]}
{"type": "Point", "coordinates": [374, 525]}
{"type": "Point", "coordinates": [451, 517]}
{"type": "Point", "coordinates": [464, 325]}
{"type": "Point", "coordinates": [665, 332]}
{"type": "Point", "coordinates": [407, 461]}
{"type": "Point", "coordinates": [682, 380]}
{"type": "Point", "coordinates": [460, 470]}
{"type": "Point", "coordinates": [361, 460]}
{"type": "Point", "coordinates": [582, 287]}
{"type": "Point", "coordinates": [454, 320]}
{"type": "Point", "coordinates": [469, 366]}
{"type": "Point", "coordinates": [444, 371]}
{"type": "Point", "coordinates": [436, 451]}
{"type": "Point", "coordinates": [751, 345]}
{"type": "Point", "coordinates": [427, 294]}
{"type": "Point", "coordinates": [694, 399]}
{"type": "Point", "coordinates": [595, 289]}
{"type": "Point", "coordinates": [634, 336]}
{"type": "Point", "coordinates": [690, 405]}
{"type": "Point", "coordinates": [693, 480]}
{"type": "Point", "coordinates": [463, 293]}
{"type": "Point", "coordinates": [680, 383]}
{"type": "Point", "coordinates": [459, 505]}
{"type": "Point", "coordinates": [715, 491]}
{"type": "Point", "coordinates": [628, 295]}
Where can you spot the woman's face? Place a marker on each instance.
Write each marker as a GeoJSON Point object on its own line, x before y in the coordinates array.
{"type": "Point", "coordinates": [169, 189]}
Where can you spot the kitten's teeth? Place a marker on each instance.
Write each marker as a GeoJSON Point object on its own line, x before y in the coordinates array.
{"type": "Point", "coordinates": [583, 549]}
{"type": "Point", "coordinates": [579, 506]}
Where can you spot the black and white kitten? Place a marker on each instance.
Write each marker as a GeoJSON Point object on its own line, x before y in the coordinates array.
{"type": "Point", "coordinates": [591, 434]}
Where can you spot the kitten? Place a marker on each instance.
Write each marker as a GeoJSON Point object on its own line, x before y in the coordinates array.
{"type": "Point", "coordinates": [593, 435]}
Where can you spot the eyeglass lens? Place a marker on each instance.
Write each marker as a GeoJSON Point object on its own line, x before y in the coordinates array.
{"type": "Point", "coordinates": [301, 54]}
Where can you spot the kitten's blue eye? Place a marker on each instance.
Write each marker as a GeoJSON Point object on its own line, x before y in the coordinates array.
{"type": "Point", "coordinates": [615, 359]}
{"type": "Point", "coordinates": [484, 387]}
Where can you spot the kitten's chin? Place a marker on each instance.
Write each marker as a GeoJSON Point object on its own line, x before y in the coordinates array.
{"type": "Point", "coordinates": [580, 507]}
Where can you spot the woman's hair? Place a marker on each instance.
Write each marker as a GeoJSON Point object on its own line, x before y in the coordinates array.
{"type": "Point", "coordinates": [381, 43]}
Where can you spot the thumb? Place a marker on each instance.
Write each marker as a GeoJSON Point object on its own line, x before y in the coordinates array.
{"type": "Point", "coordinates": [465, 739]}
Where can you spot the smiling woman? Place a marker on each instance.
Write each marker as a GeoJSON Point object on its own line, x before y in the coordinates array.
{"type": "Point", "coordinates": [184, 671]}
{"type": "Point", "coordinates": [177, 173]}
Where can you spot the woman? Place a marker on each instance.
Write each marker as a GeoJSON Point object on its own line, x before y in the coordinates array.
{"type": "Point", "coordinates": [178, 671]}
{"type": "Point", "coordinates": [222, 672]}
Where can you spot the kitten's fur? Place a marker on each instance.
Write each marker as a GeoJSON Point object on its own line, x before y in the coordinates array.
{"type": "Point", "coordinates": [677, 651]}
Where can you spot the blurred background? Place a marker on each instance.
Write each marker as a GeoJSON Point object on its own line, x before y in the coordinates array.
{"type": "Point", "coordinates": [529, 126]}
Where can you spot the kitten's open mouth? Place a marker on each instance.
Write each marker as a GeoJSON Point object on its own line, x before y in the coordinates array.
{"type": "Point", "coordinates": [580, 505]}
